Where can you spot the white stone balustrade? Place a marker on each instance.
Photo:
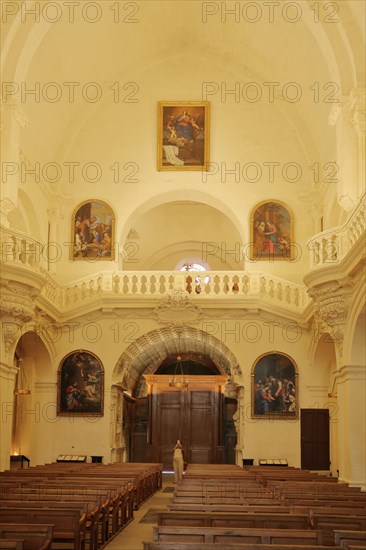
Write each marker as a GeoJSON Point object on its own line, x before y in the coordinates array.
{"type": "Point", "coordinates": [19, 249]}
{"type": "Point", "coordinates": [200, 285]}
{"type": "Point", "coordinates": [331, 246]}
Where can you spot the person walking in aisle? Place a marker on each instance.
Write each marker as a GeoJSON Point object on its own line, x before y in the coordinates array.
{"type": "Point", "coordinates": [178, 462]}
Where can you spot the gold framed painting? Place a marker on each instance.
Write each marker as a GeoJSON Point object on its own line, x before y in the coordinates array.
{"type": "Point", "coordinates": [183, 135]}
{"type": "Point", "coordinates": [272, 232]}
{"type": "Point", "coordinates": [92, 231]}
{"type": "Point", "coordinates": [80, 385]}
{"type": "Point", "coordinates": [275, 387]}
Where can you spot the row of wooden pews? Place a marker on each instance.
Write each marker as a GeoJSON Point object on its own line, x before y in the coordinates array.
{"type": "Point", "coordinates": [260, 508]}
{"type": "Point", "coordinates": [77, 506]}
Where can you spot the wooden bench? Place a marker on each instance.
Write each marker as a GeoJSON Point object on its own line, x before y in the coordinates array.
{"type": "Point", "coordinates": [330, 523]}
{"type": "Point", "coordinates": [91, 508]}
{"type": "Point", "coordinates": [276, 509]}
{"type": "Point", "coordinates": [222, 535]}
{"type": "Point", "coordinates": [256, 520]}
{"type": "Point", "coordinates": [345, 538]}
{"type": "Point", "coordinates": [35, 537]}
{"type": "Point", "coordinates": [11, 544]}
{"type": "Point", "coordinates": [69, 524]}
{"type": "Point", "coordinates": [228, 546]}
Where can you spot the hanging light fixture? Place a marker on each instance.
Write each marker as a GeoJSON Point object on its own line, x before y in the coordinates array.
{"type": "Point", "coordinates": [22, 386]}
{"type": "Point", "coordinates": [178, 380]}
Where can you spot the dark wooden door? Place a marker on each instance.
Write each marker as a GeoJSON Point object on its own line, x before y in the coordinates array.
{"type": "Point", "coordinates": [193, 414]}
{"type": "Point", "coordinates": [315, 439]}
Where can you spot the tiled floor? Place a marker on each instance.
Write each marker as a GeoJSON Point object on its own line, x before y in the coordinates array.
{"type": "Point", "coordinates": [132, 537]}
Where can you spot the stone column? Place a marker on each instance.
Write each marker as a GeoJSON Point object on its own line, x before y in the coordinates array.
{"type": "Point", "coordinates": [346, 115]}
{"type": "Point", "coordinates": [8, 374]}
{"type": "Point", "coordinates": [53, 248]}
{"type": "Point", "coordinates": [239, 421]}
{"type": "Point", "coordinates": [16, 309]}
{"type": "Point", "coordinates": [352, 424]}
{"type": "Point", "coordinates": [331, 301]}
{"type": "Point", "coordinates": [13, 119]}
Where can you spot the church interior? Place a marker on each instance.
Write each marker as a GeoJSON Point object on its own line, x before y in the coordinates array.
{"type": "Point", "coordinates": [225, 307]}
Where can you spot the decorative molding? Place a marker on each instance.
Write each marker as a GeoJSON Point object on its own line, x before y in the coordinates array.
{"type": "Point", "coordinates": [16, 307]}
{"type": "Point", "coordinates": [331, 303]}
{"type": "Point", "coordinates": [351, 373]}
{"type": "Point", "coordinates": [177, 310]}
{"type": "Point", "coordinates": [8, 372]}
{"type": "Point", "coordinates": [45, 387]}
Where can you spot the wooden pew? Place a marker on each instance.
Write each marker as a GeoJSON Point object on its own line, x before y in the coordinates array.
{"type": "Point", "coordinates": [69, 524]}
{"type": "Point", "coordinates": [345, 538]}
{"type": "Point", "coordinates": [247, 520]}
{"type": "Point", "coordinates": [35, 537]}
{"type": "Point", "coordinates": [11, 544]}
{"type": "Point", "coordinates": [228, 546]}
{"type": "Point", "coordinates": [224, 536]}
{"type": "Point", "coordinates": [330, 523]}
{"type": "Point", "coordinates": [276, 509]}
{"type": "Point", "coordinates": [92, 510]}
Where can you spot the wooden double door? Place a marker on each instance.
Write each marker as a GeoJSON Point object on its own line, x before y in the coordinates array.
{"type": "Point", "coordinates": [195, 414]}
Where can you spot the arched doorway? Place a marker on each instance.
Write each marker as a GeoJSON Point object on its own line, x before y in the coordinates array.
{"type": "Point", "coordinates": [155, 413]}
{"type": "Point", "coordinates": [31, 436]}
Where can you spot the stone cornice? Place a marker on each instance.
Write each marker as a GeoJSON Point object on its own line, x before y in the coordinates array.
{"type": "Point", "coordinates": [351, 372]}
{"type": "Point", "coordinates": [8, 372]}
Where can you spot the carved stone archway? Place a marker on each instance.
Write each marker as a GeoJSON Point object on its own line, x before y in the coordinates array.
{"type": "Point", "coordinates": [148, 352]}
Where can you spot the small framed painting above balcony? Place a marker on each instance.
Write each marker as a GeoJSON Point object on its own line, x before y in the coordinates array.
{"type": "Point", "coordinates": [92, 231]}
{"type": "Point", "coordinates": [272, 232]}
{"type": "Point", "coordinates": [183, 135]}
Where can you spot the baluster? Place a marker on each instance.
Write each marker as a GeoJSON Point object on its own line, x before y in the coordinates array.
{"type": "Point", "coordinates": [152, 284]}
{"type": "Point", "coordinates": [162, 284]}
{"type": "Point", "coordinates": [288, 294]}
{"type": "Point", "coordinates": [116, 280]}
{"type": "Point", "coordinates": [235, 288]}
{"type": "Point", "coordinates": [134, 284]}
{"type": "Point", "coordinates": [262, 287]}
{"type": "Point", "coordinates": [189, 284]}
{"type": "Point", "coordinates": [143, 284]}
{"type": "Point", "coordinates": [126, 280]}
{"type": "Point", "coordinates": [271, 289]}
{"type": "Point", "coordinates": [225, 281]}
{"type": "Point", "coordinates": [279, 291]}
{"type": "Point", "coordinates": [216, 284]}
{"type": "Point", "coordinates": [245, 284]}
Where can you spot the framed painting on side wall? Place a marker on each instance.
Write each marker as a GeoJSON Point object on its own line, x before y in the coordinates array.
{"type": "Point", "coordinates": [274, 387]}
{"type": "Point", "coordinates": [80, 385]}
{"type": "Point", "coordinates": [92, 231]}
{"type": "Point", "coordinates": [183, 135]}
{"type": "Point", "coordinates": [271, 232]}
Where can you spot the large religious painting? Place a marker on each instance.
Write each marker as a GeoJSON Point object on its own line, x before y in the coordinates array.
{"type": "Point", "coordinates": [80, 387]}
{"type": "Point", "coordinates": [93, 231]}
{"type": "Point", "coordinates": [274, 387]}
{"type": "Point", "coordinates": [271, 232]}
{"type": "Point", "coordinates": [183, 135]}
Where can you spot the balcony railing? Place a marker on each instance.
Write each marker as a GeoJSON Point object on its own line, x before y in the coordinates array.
{"type": "Point", "coordinates": [156, 284]}
{"type": "Point", "coordinates": [332, 246]}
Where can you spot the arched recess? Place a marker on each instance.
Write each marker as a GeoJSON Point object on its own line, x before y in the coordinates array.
{"type": "Point", "coordinates": [144, 356]}
{"type": "Point", "coordinates": [33, 414]}
{"type": "Point", "coordinates": [196, 197]}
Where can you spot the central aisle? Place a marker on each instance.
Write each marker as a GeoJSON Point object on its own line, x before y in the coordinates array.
{"type": "Point", "coordinates": [132, 537]}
